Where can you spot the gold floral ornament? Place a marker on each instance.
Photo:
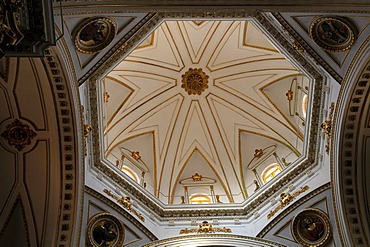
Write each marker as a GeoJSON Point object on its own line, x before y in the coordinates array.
{"type": "Point", "coordinates": [258, 153]}
{"type": "Point", "coordinates": [289, 95]}
{"type": "Point", "coordinates": [18, 134]}
{"type": "Point", "coordinates": [125, 202]}
{"type": "Point", "coordinates": [194, 81]}
{"type": "Point", "coordinates": [197, 177]}
{"type": "Point", "coordinates": [286, 199]}
{"type": "Point", "coordinates": [326, 127]}
{"type": "Point", "coordinates": [87, 130]}
{"type": "Point", "coordinates": [205, 227]}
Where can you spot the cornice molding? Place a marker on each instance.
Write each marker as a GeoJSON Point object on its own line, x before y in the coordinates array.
{"type": "Point", "coordinates": [123, 212]}
{"type": "Point", "coordinates": [291, 208]}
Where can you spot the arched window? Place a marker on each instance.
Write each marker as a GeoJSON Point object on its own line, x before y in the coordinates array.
{"type": "Point", "coordinates": [130, 173]}
{"type": "Point", "coordinates": [304, 105]}
{"type": "Point", "coordinates": [200, 199]}
{"type": "Point", "coordinates": [270, 172]}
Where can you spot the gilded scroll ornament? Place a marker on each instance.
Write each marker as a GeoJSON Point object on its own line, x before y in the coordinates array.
{"type": "Point", "coordinates": [125, 202]}
{"type": "Point", "coordinates": [258, 153]}
{"type": "Point", "coordinates": [311, 227]}
{"type": "Point", "coordinates": [18, 134]}
{"type": "Point", "coordinates": [95, 34]}
{"type": "Point", "coordinates": [194, 81]}
{"type": "Point", "coordinates": [87, 130]}
{"type": "Point", "coordinates": [335, 34]}
{"type": "Point", "coordinates": [205, 227]}
{"type": "Point", "coordinates": [105, 230]}
{"type": "Point", "coordinates": [286, 199]}
{"type": "Point", "coordinates": [326, 127]}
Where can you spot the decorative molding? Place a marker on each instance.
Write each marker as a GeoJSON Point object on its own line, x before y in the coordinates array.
{"type": "Point", "coordinates": [18, 134]}
{"type": "Point", "coordinates": [87, 130]}
{"type": "Point", "coordinates": [346, 168]}
{"type": "Point", "coordinates": [237, 240]}
{"type": "Point", "coordinates": [291, 208]}
{"type": "Point", "coordinates": [286, 199]}
{"type": "Point", "coordinates": [120, 49]}
{"type": "Point", "coordinates": [68, 147]}
{"type": "Point", "coordinates": [311, 227]}
{"type": "Point", "coordinates": [302, 44]}
{"type": "Point", "coordinates": [326, 127]}
{"type": "Point", "coordinates": [104, 229]}
{"type": "Point", "coordinates": [205, 227]}
{"type": "Point", "coordinates": [120, 210]}
{"type": "Point", "coordinates": [125, 202]}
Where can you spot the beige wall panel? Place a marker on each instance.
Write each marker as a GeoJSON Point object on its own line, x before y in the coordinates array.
{"type": "Point", "coordinates": [5, 108]}
{"type": "Point", "coordinates": [28, 93]}
{"type": "Point", "coordinates": [36, 164]}
{"type": "Point", "coordinates": [7, 175]}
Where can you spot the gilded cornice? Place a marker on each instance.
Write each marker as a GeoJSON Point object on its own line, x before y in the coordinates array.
{"type": "Point", "coordinates": [214, 236]}
{"type": "Point", "coordinates": [266, 193]}
{"type": "Point", "coordinates": [305, 47]}
{"type": "Point", "coordinates": [292, 207]}
{"type": "Point", "coordinates": [122, 211]}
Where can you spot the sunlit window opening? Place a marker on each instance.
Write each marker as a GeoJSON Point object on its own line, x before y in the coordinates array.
{"type": "Point", "coordinates": [304, 105]}
{"type": "Point", "coordinates": [200, 199]}
{"type": "Point", "coordinates": [130, 173]}
{"type": "Point", "coordinates": [270, 172]}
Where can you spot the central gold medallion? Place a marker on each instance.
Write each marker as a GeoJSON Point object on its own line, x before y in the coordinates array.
{"type": "Point", "coordinates": [194, 81]}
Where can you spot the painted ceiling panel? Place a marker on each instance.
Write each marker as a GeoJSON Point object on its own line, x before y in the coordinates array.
{"type": "Point", "coordinates": [196, 86]}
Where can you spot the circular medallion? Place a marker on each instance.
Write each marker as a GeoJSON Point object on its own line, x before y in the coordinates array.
{"type": "Point", "coordinates": [194, 81]}
{"type": "Point", "coordinates": [105, 230]}
{"type": "Point", "coordinates": [333, 33]}
{"type": "Point", "coordinates": [18, 134]}
{"type": "Point", "coordinates": [311, 227]}
{"type": "Point", "coordinates": [94, 35]}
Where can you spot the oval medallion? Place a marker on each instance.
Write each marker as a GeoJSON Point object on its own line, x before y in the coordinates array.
{"type": "Point", "coordinates": [333, 34]}
{"type": "Point", "coordinates": [94, 35]}
{"type": "Point", "coordinates": [105, 230]}
{"type": "Point", "coordinates": [311, 227]}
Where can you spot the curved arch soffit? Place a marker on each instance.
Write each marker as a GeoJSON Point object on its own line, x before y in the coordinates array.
{"type": "Point", "coordinates": [220, 240]}
{"type": "Point", "coordinates": [351, 146]}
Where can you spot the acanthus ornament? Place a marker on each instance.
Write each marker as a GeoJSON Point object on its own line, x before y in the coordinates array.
{"type": "Point", "coordinates": [205, 227]}
{"type": "Point", "coordinates": [125, 202]}
{"type": "Point", "coordinates": [326, 127]}
{"type": "Point", "coordinates": [286, 199]}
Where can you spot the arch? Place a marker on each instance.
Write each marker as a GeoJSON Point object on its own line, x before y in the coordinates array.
{"type": "Point", "coordinates": [220, 240]}
{"type": "Point", "coordinates": [130, 173]}
{"type": "Point", "coordinates": [46, 171]}
{"type": "Point", "coordinates": [270, 172]}
{"type": "Point", "coordinates": [199, 199]}
{"type": "Point", "coordinates": [350, 148]}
